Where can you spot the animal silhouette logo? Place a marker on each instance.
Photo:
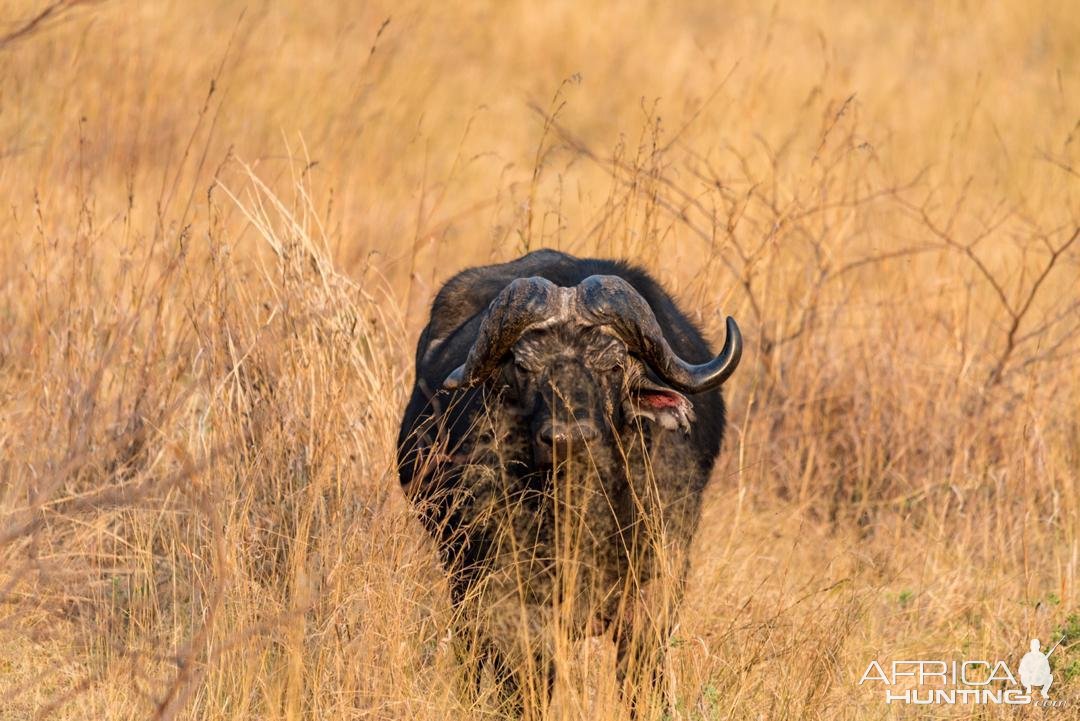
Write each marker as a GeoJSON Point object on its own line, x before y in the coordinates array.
{"type": "Point", "coordinates": [1035, 669]}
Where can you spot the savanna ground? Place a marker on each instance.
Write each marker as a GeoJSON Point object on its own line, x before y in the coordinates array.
{"type": "Point", "coordinates": [222, 225]}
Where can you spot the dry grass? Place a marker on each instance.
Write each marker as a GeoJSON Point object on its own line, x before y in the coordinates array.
{"type": "Point", "coordinates": [203, 362]}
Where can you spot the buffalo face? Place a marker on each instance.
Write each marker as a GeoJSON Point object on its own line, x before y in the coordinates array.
{"type": "Point", "coordinates": [585, 362]}
{"type": "Point", "coordinates": [580, 384]}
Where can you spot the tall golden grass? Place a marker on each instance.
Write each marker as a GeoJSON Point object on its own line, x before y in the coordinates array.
{"type": "Point", "coordinates": [223, 223]}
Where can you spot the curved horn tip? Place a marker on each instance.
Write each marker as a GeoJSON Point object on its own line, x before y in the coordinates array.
{"type": "Point", "coordinates": [455, 379]}
{"type": "Point", "coordinates": [712, 375]}
{"type": "Point", "coordinates": [733, 331]}
{"type": "Point", "coordinates": [734, 340]}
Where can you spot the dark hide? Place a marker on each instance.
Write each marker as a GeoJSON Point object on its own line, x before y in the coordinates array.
{"type": "Point", "coordinates": [569, 424]}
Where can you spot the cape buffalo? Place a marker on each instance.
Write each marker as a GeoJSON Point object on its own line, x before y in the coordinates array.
{"type": "Point", "coordinates": [565, 419]}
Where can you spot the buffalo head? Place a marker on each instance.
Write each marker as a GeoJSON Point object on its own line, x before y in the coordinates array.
{"type": "Point", "coordinates": [585, 362]}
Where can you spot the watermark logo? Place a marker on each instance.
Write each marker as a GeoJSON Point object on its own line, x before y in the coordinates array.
{"type": "Point", "coordinates": [937, 681]}
{"type": "Point", "coordinates": [1035, 669]}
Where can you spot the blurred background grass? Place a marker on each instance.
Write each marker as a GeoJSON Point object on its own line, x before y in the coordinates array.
{"type": "Point", "coordinates": [223, 225]}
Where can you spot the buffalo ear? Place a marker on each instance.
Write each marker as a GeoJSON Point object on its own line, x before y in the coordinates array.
{"type": "Point", "coordinates": [662, 405]}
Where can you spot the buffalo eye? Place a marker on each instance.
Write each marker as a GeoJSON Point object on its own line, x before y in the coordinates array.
{"type": "Point", "coordinates": [603, 365]}
{"type": "Point", "coordinates": [607, 359]}
{"type": "Point", "coordinates": [524, 361]}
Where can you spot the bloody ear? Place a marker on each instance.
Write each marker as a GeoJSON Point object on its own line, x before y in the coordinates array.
{"type": "Point", "coordinates": [662, 405]}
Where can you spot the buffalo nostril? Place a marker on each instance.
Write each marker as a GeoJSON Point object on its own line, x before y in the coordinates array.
{"type": "Point", "coordinates": [561, 436]}
{"type": "Point", "coordinates": [553, 437]}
